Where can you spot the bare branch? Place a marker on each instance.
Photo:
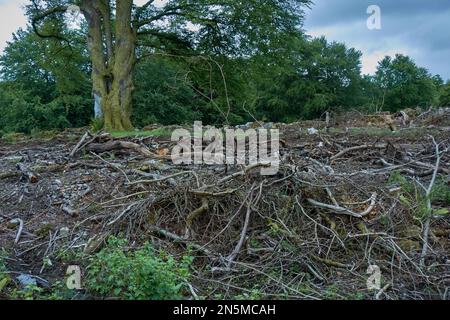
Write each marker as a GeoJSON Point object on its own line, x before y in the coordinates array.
{"type": "Point", "coordinates": [341, 210]}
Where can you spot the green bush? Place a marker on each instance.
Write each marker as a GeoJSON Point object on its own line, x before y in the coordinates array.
{"type": "Point", "coordinates": [140, 275]}
{"type": "Point", "coordinates": [4, 276]}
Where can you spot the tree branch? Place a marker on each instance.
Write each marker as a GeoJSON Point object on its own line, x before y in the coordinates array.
{"type": "Point", "coordinates": [39, 17]}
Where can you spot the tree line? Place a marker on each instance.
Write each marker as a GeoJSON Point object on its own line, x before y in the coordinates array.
{"type": "Point", "coordinates": [214, 61]}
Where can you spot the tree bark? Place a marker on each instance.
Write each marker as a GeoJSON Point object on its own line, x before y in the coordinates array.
{"type": "Point", "coordinates": [112, 63]}
{"type": "Point", "coordinates": [120, 98]}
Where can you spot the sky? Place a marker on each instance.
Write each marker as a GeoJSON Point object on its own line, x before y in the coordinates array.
{"type": "Point", "coordinates": [418, 28]}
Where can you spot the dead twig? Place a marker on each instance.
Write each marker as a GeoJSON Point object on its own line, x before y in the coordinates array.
{"type": "Point", "coordinates": [196, 213]}
{"type": "Point", "coordinates": [426, 229]}
{"type": "Point", "coordinates": [161, 179]}
{"type": "Point", "coordinates": [238, 247]}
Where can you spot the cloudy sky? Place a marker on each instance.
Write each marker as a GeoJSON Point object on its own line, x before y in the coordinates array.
{"type": "Point", "coordinates": [418, 28]}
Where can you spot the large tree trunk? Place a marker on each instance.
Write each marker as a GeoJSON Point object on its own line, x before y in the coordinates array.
{"type": "Point", "coordinates": [112, 64]}
{"type": "Point", "coordinates": [120, 97]}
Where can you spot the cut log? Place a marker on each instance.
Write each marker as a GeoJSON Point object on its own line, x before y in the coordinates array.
{"type": "Point", "coordinates": [27, 173]}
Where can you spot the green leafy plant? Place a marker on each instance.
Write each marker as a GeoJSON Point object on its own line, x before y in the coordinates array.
{"type": "Point", "coordinates": [413, 197]}
{"type": "Point", "coordinates": [140, 275]}
{"type": "Point", "coordinates": [31, 292]}
{"type": "Point", "coordinates": [96, 124]}
{"type": "Point", "coordinates": [4, 277]}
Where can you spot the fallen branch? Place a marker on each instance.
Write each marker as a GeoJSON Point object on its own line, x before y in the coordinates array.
{"type": "Point", "coordinates": [26, 172]}
{"type": "Point", "coordinates": [161, 179]}
{"type": "Point", "coordinates": [111, 165]}
{"type": "Point", "coordinates": [356, 148]}
{"type": "Point", "coordinates": [238, 247]}
{"type": "Point", "coordinates": [176, 238]}
{"type": "Point", "coordinates": [197, 212]}
{"type": "Point", "coordinates": [341, 210]}
{"type": "Point", "coordinates": [124, 212]}
{"type": "Point", "coordinates": [382, 290]}
{"type": "Point", "coordinates": [19, 232]}
{"type": "Point", "coordinates": [243, 172]}
{"type": "Point", "coordinates": [6, 175]}
{"type": "Point", "coordinates": [119, 145]}
{"type": "Point", "coordinates": [330, 262]}
{"type": "Point", "coordinates": [212, 194]}
{"type": "Point", "coordinates": [79, 144]}
{"type": "Point", "coordinates": [426, 229]}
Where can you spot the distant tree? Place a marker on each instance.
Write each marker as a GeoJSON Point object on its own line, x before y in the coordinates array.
{"type": "Point", "coordinates": [24, 62]}
{"type": "Point", "coordinates": [326, 75]}
{"type": "Point", "coordinates": [403, 84]}
{"type": "Point", "coordinates": [444, 98]}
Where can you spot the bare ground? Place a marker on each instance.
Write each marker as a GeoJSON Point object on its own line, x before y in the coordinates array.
{"type": "Point", "coordinates": [338, 205]}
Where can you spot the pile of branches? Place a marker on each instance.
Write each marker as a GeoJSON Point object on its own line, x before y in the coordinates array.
{"type": "Point", "coordinates": [317, 229]}
{"type": "Point", "coordinates": [312, 231]}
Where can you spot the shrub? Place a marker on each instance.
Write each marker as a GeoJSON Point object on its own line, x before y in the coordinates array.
{"type": "Point", "coordinates": [139, 275]}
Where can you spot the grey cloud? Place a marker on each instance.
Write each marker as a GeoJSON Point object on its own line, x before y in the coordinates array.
{"type": "Point", "coordinates": [419, 27]}
{"type": "Point", "coordinates": [326, 12]}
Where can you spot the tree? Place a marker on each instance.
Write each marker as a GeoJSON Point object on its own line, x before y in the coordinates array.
{"type": "Point", "coordinates": [444, 98]}
{"type": "Point", "coordinates": [162, 95]}
{"type": "Point", "coordinates": [324, 75]}
{"type": "Point", "coordinates": [403, 84]}
{"type": "Point", "coordinates": [119, 33]}
{"type": "Point", "coordinates": [54, 92]}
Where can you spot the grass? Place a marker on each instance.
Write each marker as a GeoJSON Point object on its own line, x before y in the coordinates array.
{"type": "Point", "coordinates": [413, 198]}
{"type": "Point", "coordinates": [13, 138]}
{"type": "Point", "coordinates": [160, 132]}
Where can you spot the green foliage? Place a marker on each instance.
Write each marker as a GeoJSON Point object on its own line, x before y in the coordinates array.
{"type": "Point", "coordinates": [402, 84]}
{"type": "Point", "coordinates": [160, 132]}
{"type": "Point", "coordinates": [12, 138]}
{"type": "Point", "coordinates": [444, 97]}
{"type": "Point", "coordinates": [31, 292]}
{"type": "Point", "coordinates": [139, 275]}
{"type": "Point", "coordinates": [412, 196]}
{"type": "Point", "coordinates": [254, 294]}
{"type": "Point", "coordinates": [441, 192]}
{"type": "Point", "coordinates": [162, 96]}
{"type": "Point", "coordinates": [4, 277]}
{"type": "Point", "coordinates": [256, 62]}
{"type": "Point", "coordinates": [41, 93]}
{"type": "Point", "coordinates": [327, 77]}
{"type": "Point", "coordinates": [96, 124]}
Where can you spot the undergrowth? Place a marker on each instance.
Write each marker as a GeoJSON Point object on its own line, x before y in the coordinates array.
{"type": "Point", "coordinates": [143, 274]}
{"type": "Point", "coordinates": [413, 197]}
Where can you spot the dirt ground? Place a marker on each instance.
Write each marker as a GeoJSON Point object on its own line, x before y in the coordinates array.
{"type": "Point", "coordinates": [345, 198]}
